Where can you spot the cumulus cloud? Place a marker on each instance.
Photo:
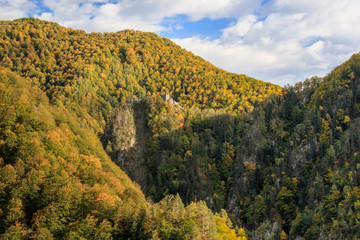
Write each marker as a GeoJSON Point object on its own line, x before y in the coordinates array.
{"type": "Point", "coordinates": [146, 15]}
{"type": "Point", "coordinates": [287, 41]}
{"type": "Point", "coordinates": [281, 41]}
{"type": "Point", "coordinates": [11, 9]}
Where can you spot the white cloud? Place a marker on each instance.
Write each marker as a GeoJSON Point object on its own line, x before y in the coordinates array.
{"type": "Point", "coordinates": [297, 39]}
{"type": "Point", "coordinates": [146, 15]}
{"type": "Point", "coordinates": [11, 9]}
{"type": "Point", "coordinates": [283, 39]}
{"type": "Point", "coordinates": [240, 29]}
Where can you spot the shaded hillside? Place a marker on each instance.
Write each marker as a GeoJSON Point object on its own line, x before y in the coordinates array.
{"type": "Point", "coordinates": [303, 149]}
{"type": "Point", "coordinates": [290, 167]}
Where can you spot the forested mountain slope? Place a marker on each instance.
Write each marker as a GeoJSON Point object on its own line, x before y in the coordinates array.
{"type": "Point", "coordinates": [97, 71]}
{"type": "Point", "coordinates": [282, 162]}
{"type": "Point", "coordinates": [57, 182]}
{"type": "Point", "coordinates": [288, 168]}
{"type": "Point", "coordinates": [59, 88]}
{"type": "Point", "coordinates": [55, 176]}
{"type": "Point", "coordinates": [297, 160]}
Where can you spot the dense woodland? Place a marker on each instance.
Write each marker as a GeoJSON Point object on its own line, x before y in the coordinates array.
{"type": "Point", "coordinates": [98, 71]}
{"type": "Point", "coordinates": [59, 89]}
{"type": "Point", "coordinates": [288, 168]}
{"type": "Point", "coordinates": [237, 158]}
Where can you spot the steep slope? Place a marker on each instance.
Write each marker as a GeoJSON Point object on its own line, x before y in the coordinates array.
{"type": "Point", "coordinates": [290, 167]}
{"type": "Point", "coordinates": [57, 182]}
{"type": "Point", "coordinates": [287, 167]}
{"type": "Point", "coordinates": [54, 175]}
{"type": "Point", "coordinates": [297, 160]}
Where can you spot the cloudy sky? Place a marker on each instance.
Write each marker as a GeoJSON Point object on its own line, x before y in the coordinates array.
{"type": "Point", "coordinates": [279, 41]}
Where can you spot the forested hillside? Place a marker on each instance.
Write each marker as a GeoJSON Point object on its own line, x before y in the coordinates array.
{"type": "Point", "coordinates": [288, 168]}
{"type": "Point", "coordinates": [283, 163]}
{"type": "Point", "coordinates": [297, 160]}
{"type": "Point", "coordinates": [57, 182]}
{"type": "Point", "coordinates": [59, 87]}
{"type": "Point", "coordinates": [97, 71]}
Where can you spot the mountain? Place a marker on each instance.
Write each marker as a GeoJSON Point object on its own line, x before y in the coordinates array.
{"type": "Point", "coordinates": [59, 89]}
{"type": "Point", "coordinates": [57, 182]}
{"type": "Point", "coordinates": [297, 159]}
{"type": "Point", "coordinates": [271, 163]}
{"type": "Point", "coordinates": [97, 71]}
{"type": "Point", "coordinates": [289, 168]}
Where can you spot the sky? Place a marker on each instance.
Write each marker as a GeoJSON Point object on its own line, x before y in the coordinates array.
{"type": "Point", "coordinates": [278, 41]}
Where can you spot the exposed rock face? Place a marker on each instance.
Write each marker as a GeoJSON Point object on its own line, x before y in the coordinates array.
{"type": "Point", "coordinates": [298, 156]}
{"type": "Point", "coordinates": [123, 132]}
{"type": "Point", "coordinates": [301, 153]}
{"type": "Point", "coordinates": [267, 230]}
{"type": "Point", "coordinates": [125, 141]}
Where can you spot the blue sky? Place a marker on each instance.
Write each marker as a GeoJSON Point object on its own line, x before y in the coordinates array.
{"type": "Point", "coordinates": [279, 41]}
{"type": "Point", "coordinates": [180, 27]}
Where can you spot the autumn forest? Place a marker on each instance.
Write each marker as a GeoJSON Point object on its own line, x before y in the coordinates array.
{"type": "Point", "coordinates": [128, 136]}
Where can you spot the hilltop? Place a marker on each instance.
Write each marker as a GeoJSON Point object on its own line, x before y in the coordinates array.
{"type": "Point", "coordinates": [97, 71]}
